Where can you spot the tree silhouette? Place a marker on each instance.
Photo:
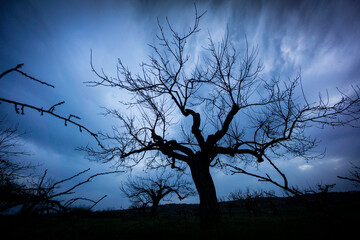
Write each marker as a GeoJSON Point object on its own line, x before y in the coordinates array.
{"type": "Point", "coordinates": [151, 190]}
{"type": "Point", "coordinates": [250, 199]}
{"type": "Point", "coordinates": [213, 111]}
{"type": "Point", "coordinates": [12, 171]}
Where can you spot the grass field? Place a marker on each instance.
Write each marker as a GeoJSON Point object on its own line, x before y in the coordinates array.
{"type": "Point", "coordinates": [291, 223]}
{"type": "Point", "coordinates": [294, 227]}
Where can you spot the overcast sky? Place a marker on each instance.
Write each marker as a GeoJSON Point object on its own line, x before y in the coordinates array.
{"type": "Point", "coordinates": [53, 39]}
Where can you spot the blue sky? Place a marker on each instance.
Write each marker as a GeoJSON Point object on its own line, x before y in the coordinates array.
{"type": "Point", "coordinates": [53, 39]}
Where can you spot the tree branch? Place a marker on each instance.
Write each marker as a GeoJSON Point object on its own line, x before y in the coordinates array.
{"type": "Point", "coordinates": [50, 111]}
{"type": "Point", "coordinates": [16, 69]}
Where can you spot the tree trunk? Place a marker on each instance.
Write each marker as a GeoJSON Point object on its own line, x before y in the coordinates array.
{"type": "Point", "coordinates": [209, 207]}
{"type": "Point", "coordinates": [154, 207]}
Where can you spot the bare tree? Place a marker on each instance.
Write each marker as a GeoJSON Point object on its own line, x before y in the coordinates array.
{"type": "Point", "coordinates": [250, 199]}
{"type": "Point", "coordinates": [321, 197]}
{"type": "Point", "coordinates": [12, 171]}
{"type": "Point", "coordinates": [223, 114]}
{"type": "Point", "coordinates": [151, 190]}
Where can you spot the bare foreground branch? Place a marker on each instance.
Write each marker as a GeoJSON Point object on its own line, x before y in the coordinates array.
{"type": "Point", "coordinates": [42, 196]}
{"type": "Point", "coordinates": [16, 69]}
{"type": "Point", "coordinates": [20, 107]}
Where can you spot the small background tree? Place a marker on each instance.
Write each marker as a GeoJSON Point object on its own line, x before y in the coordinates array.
{"type": "Point", "coordinates": [151, 190]}
{"type": "Point", "coordinates": [13, 171]}
{"type": "Point", "coordinates": [250, 199]}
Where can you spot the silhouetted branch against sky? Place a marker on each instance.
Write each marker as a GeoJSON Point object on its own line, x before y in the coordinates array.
{"type": "Point", "coordinates": [19, 106]}
{"type": "Point", "coordinates": [16, 69]}
{"type": "Point", "coordinates": [72, 188]}
{"type": "Point", "coordinates": [45, 193]}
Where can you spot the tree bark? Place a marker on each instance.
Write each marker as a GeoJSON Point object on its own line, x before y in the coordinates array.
{"type": "Point", "coordinates": [209, 207]}
{"type": "Point", "coordinates": [154, 207]}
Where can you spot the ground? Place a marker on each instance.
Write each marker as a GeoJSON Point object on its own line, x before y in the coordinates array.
{"type": "Point", "coordinates": [290, 222]}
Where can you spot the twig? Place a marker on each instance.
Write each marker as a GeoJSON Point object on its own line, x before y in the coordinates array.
{"type": "Point", "coordinates": [51, 112]}
{"type": "Point", "coordinates": [16, 69]}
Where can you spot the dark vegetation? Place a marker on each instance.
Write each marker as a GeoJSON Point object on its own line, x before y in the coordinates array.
{"type": "Point", "coordinates": [181, 221]}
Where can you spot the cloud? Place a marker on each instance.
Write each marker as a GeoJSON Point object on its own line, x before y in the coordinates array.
{"type": "Point", "coordinates": [305, 167]}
